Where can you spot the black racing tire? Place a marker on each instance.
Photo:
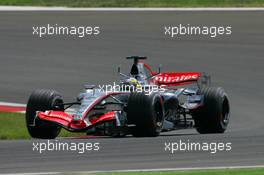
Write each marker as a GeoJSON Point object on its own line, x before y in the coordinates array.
{"type": "Point", "coordinates": [213, 116]}
{"type": "Point", "coordinates": [147, 113]}
{"type": "Point", "coordinates": [42, 100]}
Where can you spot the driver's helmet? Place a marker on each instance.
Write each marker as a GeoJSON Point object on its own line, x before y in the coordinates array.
{"type": "Point", "coordinates": [130, 82]}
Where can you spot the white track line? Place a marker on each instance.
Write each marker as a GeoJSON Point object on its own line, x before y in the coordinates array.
{"type": "Point", "coordinates": [29, 8]}
{"type": "Point", "coordinates": [145, 170]}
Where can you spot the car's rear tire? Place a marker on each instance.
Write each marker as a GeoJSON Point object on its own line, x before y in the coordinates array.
{"type": "Point", "coordinates": [147, 113]}
{"type": "Point", "coordinates": [213, 116]}
{"type": "Point", "coordinates": [42, 100]}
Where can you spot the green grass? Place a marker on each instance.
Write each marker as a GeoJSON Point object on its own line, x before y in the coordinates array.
{"type": "Point", "coordinates": [137, 3]}
{"type": "Point", "coordinates": [250, 171]}
{"type": "Point", "coordinates": [12, 126]}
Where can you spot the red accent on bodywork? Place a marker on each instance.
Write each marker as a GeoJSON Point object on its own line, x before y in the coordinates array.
{"type": "Point", "coordinates": [78, 124]}
{"type": "Point", "coordinates": [67, 121]}
{"type": "Point", "coordinates": [62, 118]}
{"type": "Point", "coordinates": [176, 79]}
{"type": "Point", "coordinates": [103, 118]}
{"type": "Point", "coordinates": [57, 117]}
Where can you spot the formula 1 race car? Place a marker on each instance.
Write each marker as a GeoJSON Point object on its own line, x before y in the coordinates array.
{"type": "Point", "coordinates": [144, 103]}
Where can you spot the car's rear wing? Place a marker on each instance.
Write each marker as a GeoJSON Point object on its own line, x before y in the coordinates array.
{"type": "Point", "coordinates": [178, 78]}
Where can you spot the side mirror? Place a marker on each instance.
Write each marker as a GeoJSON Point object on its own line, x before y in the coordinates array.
{"type": "Point", "coordinates": [118, 69]}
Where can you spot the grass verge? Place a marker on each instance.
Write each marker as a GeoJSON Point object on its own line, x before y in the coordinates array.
{"type": "Point", "coordinates": [246, 171]}
{"type": "Point", "coordinates": [137, 3]}
{"type": "Point", "coordinates": [12, 126]}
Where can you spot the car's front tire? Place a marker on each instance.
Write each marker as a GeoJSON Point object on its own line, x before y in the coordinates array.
{"type": "Point", "coordinates": [42, 100]}
{"type": "Point", "coordinates": [147, 113]}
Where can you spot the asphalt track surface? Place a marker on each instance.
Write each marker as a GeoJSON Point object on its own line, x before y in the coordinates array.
{"type": "Point", "coordinates": [65, 63]}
